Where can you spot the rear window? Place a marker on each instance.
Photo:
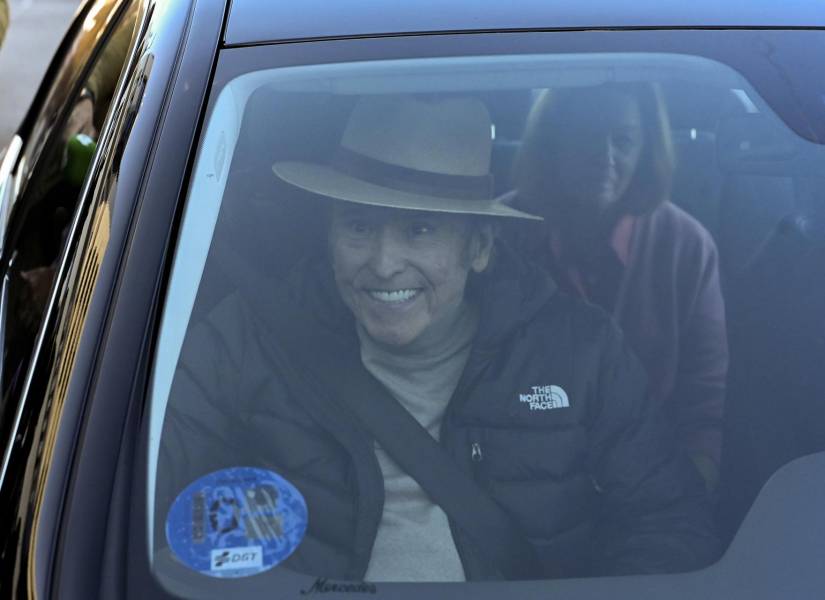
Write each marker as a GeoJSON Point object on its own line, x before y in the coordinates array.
{"type": "Point", "coordinates": [523, 316]}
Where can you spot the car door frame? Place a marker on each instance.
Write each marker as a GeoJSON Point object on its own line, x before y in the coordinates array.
{"type": "Point", "coordinates": [33, 460]}
{"type": "Point", "coordinates": [181, 45]}
{"type": "Point", "coordinates": [82, 42]}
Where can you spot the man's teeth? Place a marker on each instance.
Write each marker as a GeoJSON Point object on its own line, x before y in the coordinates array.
{"type": "Point", "coordinates": [393, 296]}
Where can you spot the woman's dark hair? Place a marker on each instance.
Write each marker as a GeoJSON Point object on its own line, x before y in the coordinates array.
{"type": "Point", "coordinates": [651, 181]}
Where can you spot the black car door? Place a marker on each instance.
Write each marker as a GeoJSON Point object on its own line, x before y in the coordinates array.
{"type": "Point", "coordinates": [56, 193]}
{"type": "Point", "coordinates": [41, 176]}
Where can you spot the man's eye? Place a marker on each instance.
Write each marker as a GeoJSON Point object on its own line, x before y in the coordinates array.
{"type": "Point", "coordinates": [359, 227]}
{"type": "Point", "coordinates": [420, 228]}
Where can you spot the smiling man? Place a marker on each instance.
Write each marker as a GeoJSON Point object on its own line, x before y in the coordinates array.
{"type": "Point", "coordinates": [444, 411]}
{"type": "Point", "coordinates": [403, 275]}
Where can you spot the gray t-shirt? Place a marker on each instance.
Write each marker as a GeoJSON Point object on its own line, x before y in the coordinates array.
{"type": "Point", "coordinates": [414, 542]}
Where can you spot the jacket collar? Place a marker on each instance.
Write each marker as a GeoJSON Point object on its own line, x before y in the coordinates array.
{"type": "Point", "coordinates": [509, 294]}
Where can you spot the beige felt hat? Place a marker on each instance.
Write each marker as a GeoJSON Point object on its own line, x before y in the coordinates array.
{"type": "Point", "coordinates": [400, 151]}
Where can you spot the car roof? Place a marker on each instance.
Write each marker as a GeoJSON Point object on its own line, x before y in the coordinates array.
{"type": "Point", "coordinates": [256, 21]}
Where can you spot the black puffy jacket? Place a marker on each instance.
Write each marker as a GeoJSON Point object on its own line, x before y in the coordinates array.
{"type": "Point", "coordinates": [597, 487]}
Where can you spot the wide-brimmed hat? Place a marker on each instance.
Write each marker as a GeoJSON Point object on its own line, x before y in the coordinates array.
{"type": "Point", "coordinates": [406, 152]}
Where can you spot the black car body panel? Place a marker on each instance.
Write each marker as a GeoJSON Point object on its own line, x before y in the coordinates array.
{"type": "Point", "coordinates": [27, 420]}
{"type": "Point", "coordinates": [255, 21]}
{"type": "Point", "coordinates": [40, 459]}
{"type": "Point", "coordinates": [120, 365]}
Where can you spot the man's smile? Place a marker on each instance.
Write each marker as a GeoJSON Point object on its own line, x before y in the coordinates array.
{"type": "Point", "coordinates": [396, 296]}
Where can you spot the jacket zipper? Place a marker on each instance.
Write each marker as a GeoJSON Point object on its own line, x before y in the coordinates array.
{"type": "Point", "coordinates": [475, 364]}
{"type": "Point", "coordinates": [476, 455]}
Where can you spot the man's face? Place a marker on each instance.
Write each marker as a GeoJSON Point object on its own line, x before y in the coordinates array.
{"type": "Point", "coordinates": [401, 272]}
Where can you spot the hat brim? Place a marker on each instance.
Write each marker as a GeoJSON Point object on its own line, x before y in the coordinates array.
{"type": "Point", "coordinates": [327, 181]}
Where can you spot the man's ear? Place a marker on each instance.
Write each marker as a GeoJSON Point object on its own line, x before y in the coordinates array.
{"type": "Point", "coordinates": [481, 246]}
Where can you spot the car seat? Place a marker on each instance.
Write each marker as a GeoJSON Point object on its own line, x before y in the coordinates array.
{"type": "Point", "coordinates": [776, 391]}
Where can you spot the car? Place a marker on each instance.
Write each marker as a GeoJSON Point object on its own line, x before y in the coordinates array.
{"type": "Point", "coordinates": [170, 163]}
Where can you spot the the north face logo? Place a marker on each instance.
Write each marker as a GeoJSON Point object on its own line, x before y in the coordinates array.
{"type": "Point", "coordinates": [545, 397]}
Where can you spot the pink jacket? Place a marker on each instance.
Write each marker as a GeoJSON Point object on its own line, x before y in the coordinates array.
{"type": "Point", "coordinates": [669, 304]}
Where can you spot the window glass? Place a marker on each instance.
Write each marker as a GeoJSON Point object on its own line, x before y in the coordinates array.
{"type": "Point", "coordinates": [478, 318]}
{"type": "Point", "coordinates": [48, 204]}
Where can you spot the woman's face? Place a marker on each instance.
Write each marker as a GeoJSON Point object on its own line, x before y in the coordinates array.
{"type": "Point", "coordinates": [600, 141]}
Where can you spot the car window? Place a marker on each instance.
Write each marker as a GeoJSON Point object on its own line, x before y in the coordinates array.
{"type": "Point", "coordinates": [46, 207]}
{"type": "Point", "coordinates": [490, 317]}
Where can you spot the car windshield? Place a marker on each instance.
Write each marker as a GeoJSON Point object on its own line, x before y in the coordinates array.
{"type": "Point", "coordinates": [525, 316]}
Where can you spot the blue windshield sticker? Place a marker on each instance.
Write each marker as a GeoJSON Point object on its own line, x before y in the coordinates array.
{"type": "Point", "coordinates": [236, 522]}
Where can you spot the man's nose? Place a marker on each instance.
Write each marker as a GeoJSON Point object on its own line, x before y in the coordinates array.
{"type": "Point", "coordinates": [388, 256]}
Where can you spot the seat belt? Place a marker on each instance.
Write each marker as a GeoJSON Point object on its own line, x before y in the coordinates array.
{"type": "Point", "coordinates": [492, 531]}
{"type": "Point", "coordinates": [300, 348]}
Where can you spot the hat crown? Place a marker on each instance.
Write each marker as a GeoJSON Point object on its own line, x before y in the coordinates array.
{"type": "Point", "coordinates": [449, 136]}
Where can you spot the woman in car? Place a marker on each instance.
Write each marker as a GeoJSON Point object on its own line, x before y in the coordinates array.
{"type": "Point", "coordinates": [597, 163]}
